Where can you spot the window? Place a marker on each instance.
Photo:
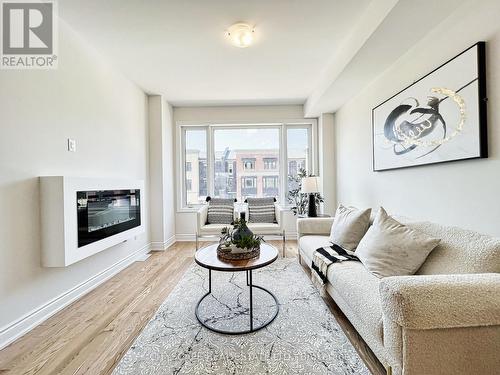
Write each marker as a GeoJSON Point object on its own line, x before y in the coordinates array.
{"type": "Point", "coordinates": [243, 149]}
{"type": "Point", "coordinates": [270, 186]}
{"type": "Point", "coordinates": [240, 161]}
{"type": "Point", "coordinates": [248, 164]}
{"type": "Point", "coordinates": [249, 182]}
{"type": "Point", "coordinates": [195, 166]}
{"type": "Point", "coordinates": [248, 187]}
{"type": "Point", "coordinates": [298, 154]}
{"type": "Point", "coordinates": [271, 182]}
{"type": "Point", "coordinates": [270, 163]}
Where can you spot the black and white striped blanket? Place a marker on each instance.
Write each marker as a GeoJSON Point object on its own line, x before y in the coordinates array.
{"type": "Point", "coordinates": [324, 257]}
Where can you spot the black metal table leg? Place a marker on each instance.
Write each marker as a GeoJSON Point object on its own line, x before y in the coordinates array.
{"type": "Point", "coordinates": [209, 281]}
{"type": "Point", "coordinates": [250, 284]}
{"type": "Point", "coordinates": [251, 301]}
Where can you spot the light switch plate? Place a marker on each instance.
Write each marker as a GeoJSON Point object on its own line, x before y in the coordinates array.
{"type": "Point", "coordinates": [71, 145]}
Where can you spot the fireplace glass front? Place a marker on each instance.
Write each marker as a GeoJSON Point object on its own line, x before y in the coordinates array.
{"type": "Point", "coordinates": [105, 213]}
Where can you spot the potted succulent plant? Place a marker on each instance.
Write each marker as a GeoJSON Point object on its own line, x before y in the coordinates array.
{"type": "Point", "coordinates": [239, 240]}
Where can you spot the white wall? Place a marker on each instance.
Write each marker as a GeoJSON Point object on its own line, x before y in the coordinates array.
{"type": "Point", "coordinates": [156, 151]}
{"type": "Point", "coordinates": [168, 173]}
{"type": "Point", "coordinates": [161, 173]}
{"type": "Point", "coordinates": [239, 113]}
{"type": "Point", "coordinates": [326, 150]}
{"type": "Point", "coordinates": [186, 221]}
{"type": "Point", "coordinates": [84, 99]}
{"type": "Point", "coordinates": [463, 193]}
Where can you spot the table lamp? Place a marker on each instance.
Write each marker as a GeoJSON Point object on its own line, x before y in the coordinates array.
{"type": "Point", "coordinates": [310, 185]}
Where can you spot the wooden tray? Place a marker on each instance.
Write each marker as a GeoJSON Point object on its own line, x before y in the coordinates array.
{"type": "Point", "coordinates": [238, 256]}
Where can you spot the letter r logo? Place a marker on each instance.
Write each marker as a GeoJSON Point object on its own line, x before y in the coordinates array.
{"type": "Point", "coordinates": [27, 28]}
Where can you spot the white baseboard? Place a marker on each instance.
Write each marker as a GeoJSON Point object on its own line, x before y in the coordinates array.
{"type": "Point", "coordinates": [144, 257]}
{"type": "Point", "coordinates": [21, 326]}
{"type": "Point", "coordinates": [160, 246]}
{"type": "Point", "coordinates": [191, 237]}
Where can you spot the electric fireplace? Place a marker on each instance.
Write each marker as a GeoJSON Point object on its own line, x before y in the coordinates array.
{"type": "Point", "coordinates": [104, 213]}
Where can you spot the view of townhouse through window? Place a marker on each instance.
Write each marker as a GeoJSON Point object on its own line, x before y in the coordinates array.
{"type": "Point", "coordinates": [297, 154]}
{"type": "Point", "coordinates": [195, 169]}
{"type": "Point", "coordinates": [247, 149]}
{"type": "Point", "coordinates": [249, 164]}
{"type": "Point", "coordinates": [246, 161]}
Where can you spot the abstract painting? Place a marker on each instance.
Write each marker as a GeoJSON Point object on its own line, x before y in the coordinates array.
{"type": "Point", "coordinates": [439, 118]}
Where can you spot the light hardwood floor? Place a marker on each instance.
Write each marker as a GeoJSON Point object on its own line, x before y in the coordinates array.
{"type": "Point", "coordinates": [92, 334]}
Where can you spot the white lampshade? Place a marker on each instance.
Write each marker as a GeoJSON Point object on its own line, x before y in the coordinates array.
{"type": "Point", "coordinates": [310, 185]}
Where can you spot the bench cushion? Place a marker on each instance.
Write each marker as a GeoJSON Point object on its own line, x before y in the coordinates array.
{"type": "Point", "coordinates": [256, 228]}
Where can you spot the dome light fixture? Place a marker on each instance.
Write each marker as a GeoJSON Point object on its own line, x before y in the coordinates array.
{"type": "Point", "coordinates": [240, 34]}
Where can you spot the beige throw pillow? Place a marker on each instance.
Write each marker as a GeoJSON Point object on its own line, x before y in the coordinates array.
{"type": "Point", "coordinates": [390, 248]}
{"type": "Point", "coordinates": [349, 226]}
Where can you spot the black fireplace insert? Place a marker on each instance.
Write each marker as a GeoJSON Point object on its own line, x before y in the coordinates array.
{"type": "Point", "coordinates": [105, 213]}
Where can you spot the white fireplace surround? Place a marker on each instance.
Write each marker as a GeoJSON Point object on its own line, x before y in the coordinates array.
{"type": "Point", "coordinates": [59, 225]}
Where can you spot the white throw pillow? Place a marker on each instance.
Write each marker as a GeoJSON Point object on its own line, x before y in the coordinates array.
{"type": "Point", "coordinates": [390, 248]}
{"type": "Point", "coordinates": [349, 226]}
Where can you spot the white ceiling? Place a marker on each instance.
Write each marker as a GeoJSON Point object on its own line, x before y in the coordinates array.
{"type": "Point", "coordinates": [317, 52]}
{"type": "Point", "coordinates": [178, 48]}
{"type": "Point", "coordinates": [386, 32]}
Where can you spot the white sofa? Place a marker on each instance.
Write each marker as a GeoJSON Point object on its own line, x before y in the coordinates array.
{"type": "Point", "coordinates": [213, 230]}
{"type": "Point", "coordinates": [443, 320]}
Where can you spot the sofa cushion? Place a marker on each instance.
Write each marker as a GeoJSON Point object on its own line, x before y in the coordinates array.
{"type": "Point", "coordinates": [349, 226]}
{"type": "Point", "coordinates": [390, 248]}
{"type": "Point", "coordinates": [355, 290]}
{"type": "Point", "coordinates": [308, 244]}
{"type": "Point", "coordinates": [359, 290]}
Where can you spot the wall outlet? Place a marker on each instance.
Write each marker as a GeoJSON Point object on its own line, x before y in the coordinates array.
{"type": "Point", "coordinates": [71, 145]}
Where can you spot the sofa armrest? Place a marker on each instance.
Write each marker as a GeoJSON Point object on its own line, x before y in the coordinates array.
{"type": "Point", "coordinates": [279, 212]}
{"type": "Point", "coordinates": [317, 225]}
{"type": "Point", "coordinates": [442, 301]}
{"type": "Point", "coordinates": [201, 217]}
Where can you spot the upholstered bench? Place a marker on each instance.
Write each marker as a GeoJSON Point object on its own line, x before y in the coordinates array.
{"type": "Point", "coordinates": [205, 229]}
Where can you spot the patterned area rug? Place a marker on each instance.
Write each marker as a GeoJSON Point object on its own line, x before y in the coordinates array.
{"type": "Point", "coordinates": [303, 339]}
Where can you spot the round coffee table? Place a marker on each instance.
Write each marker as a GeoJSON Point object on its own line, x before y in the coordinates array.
{"type": "Point", "coordinates": [208, 258]}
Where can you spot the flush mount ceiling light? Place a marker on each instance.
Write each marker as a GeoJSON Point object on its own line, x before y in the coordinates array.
{"type": "Point", "coordinates": [240, 34]}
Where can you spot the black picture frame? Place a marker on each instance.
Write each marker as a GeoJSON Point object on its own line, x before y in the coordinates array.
{"type": "Point", "coordinates": [481, 103]}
